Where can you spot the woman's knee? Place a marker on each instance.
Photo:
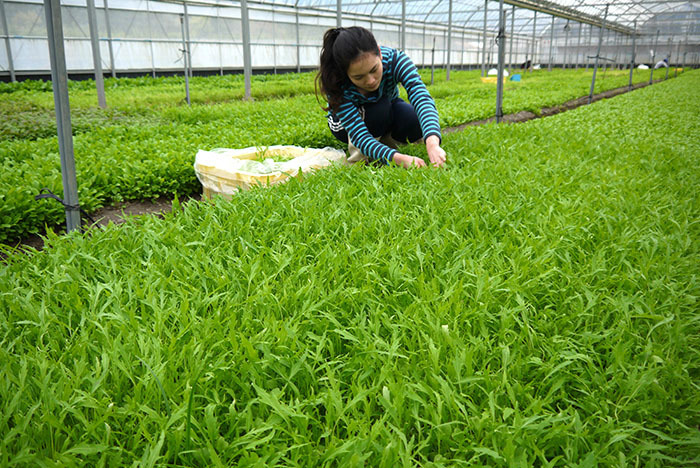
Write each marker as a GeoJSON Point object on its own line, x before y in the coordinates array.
{"type": "Point", "coordinates": [405, 123]}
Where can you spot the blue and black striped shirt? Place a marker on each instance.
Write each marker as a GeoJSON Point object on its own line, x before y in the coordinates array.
{"type": "Point", "coordinates": [397, 68]}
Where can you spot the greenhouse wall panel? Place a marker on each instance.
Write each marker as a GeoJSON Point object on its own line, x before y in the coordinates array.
{"type": "Point", "coordinates": [31, 54]}
{"type": "Point", "coordinates": [140, 29]}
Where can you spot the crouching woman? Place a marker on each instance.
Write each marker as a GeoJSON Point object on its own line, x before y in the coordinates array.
{"type": "Point", "coordinates": [360, 82]}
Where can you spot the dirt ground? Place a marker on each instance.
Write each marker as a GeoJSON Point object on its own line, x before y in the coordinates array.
{"type": "Point", "coordinates": [120, 212]}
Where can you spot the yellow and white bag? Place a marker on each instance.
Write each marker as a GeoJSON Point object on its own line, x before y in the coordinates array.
{"type": "Point", "coordinates": [224, 171]}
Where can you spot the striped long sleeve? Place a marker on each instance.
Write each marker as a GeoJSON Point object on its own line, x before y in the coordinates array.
{"type": "Point", "coordinates": [397, 68]}
{"type": "Point", "coordinates": [418, 95]}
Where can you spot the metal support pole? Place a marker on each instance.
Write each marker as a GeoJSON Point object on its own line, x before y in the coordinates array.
{"type": "Point", "coordinates": [685, 49]}
{"type": "Point", "coordinates": [653, 57]}
{"type": "Point", "coordinates": [501, 59]}
{"type": "Point", "coordinates": [150, 40]}
{"type": "Point", "coordinates": [432, 64]}
{"type": "Point", "coordinates": [184, 58]}
{"type": "Point", "coordinates": [96, 56]}
{"type": "Point", "coordinates": [109, 40]}
{"type": "Point", "coordinates": [634, 52]}
{"type": "Point", "coordinates": [510, 46]}
{"type": "Point", "coordinates": [59, 80]}
{"type": "Point", "coordinates": [296, 13]}
{"type": "Point", "coordinates": [597, 55]}
{"type": "Point", "coordinates": [551, 43]}
{"type": "Point", "coordinates": [668, 64]}
{"type": "Point", "coordinates": [534, 41]}
{"type": "Point", "coordinates": [444, 51]}
{"type": "Point", "coordinates": [338, 14]}
{"type": "Point", "coordinates": [189, 42]}
{"type": "Point", "coordinates": [221, 46]}
{"type": "Point", "coordinates": [7, 41]}
{"type": "Point", "coordinates": [462, 54]}
{"type": "Point", "coordinates": [590, 43]}
{"type": "Point", "coordinates": [449, 41]}
{"type": "Point", "coordinates": [483, 54]}
{"type": "Point", "coordinates": [578, 44]}
{"type": "Point", "coordinates": [566, 45]}
{"type": "Point", "coordinates": [403, 25]}
{"type": "Point", "coordinates": [247, 62]}
{"type": "Point", "coordinates": [678, 56]}
{"type": "Point", "coordinates": [423, 54]}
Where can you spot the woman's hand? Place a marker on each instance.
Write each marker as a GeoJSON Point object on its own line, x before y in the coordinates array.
{"type": "Point", "coordinates": [436, 154]}
{"type": "Point", "coordinates": [407, 161]}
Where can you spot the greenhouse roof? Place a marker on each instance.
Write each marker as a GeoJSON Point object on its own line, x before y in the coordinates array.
{"type": "Point", "coordinates": [622, 15]}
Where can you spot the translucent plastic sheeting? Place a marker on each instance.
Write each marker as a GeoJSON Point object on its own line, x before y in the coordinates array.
{"type": "Point", "coordinates": [146, 34]}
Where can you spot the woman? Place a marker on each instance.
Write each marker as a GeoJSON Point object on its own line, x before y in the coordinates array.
{"type": "Point", "coordinates": [360, 81]}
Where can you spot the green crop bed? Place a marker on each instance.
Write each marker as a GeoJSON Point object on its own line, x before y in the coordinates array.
{"type": "Point", "coordinates": [143, 146]}
{"type": "Point", "coordinates": [533, 304]}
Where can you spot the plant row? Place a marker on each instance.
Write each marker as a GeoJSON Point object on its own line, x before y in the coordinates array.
{"type": "Point", "coordinates": [533, 304]}
{"type": "Point", "coordinates": [146, 152]}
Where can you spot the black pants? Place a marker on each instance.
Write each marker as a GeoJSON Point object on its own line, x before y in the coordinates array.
{"type": "Point", "coordinates": [396, 117]}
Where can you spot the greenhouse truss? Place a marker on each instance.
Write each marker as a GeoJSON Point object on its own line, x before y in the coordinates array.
{"type": "Point", "coordinates": [147, 36]}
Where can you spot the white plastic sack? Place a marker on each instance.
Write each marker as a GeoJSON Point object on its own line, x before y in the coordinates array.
{"type": "Point", "coordinates": [494, 72]}
{"type": "Point", "coordinates": [225, 171]}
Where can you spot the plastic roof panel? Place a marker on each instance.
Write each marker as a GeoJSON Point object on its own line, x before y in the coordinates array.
{"type": "Point", "coordinates": [622, 15]}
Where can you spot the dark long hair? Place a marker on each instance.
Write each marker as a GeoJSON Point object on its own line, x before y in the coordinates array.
{"type": "Point", "coordinates": [341, 46]}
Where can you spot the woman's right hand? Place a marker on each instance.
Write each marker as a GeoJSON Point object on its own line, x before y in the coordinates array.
{"type": "Point", "coordinates": [407, 161]}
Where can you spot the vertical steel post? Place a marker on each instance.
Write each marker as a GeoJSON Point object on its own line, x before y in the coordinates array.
{"type": "Point", "coordinates": [566, 45]}
{"type": "Point", "coordinates": [551, 43]}
{"type": "Point", "coordinates": [578, 44]}
{"type": "Point", "coordinates": [678, 56]}
{"type": "Point", "coordinates": [449, 41]}
{"type": "Point", "coordinates": [403, 25]}
{"type": "Point", "coordinates": [423, 54]}
{"type": "Point", "coordinates": [189, 42]}
{"type": "Point", "coordinates": [96, 56]}
{"type": "Point", "coordinates": [247, 61]}
{"type": "Point", "coordinates": [483, 53]}
{"type": "Point", "coordinates": [597, 55]}
{"type": "Point", "coordinates": [432, 64]}
{"type": "Point", "coordinates": [501, 60]}
{"type": "Point", "coordinates": [653, 57]}
{"type": "Point", "coordinates": [10, 63]}
{"type": "Point", "coordinates": [59, 80]}
{"type": "Point", "coordinates": [462, 54]}
{"type": "Point", "coordinates": [184, 58]}
{"type": "Point", "coordinates": [150, 39]}
{"type": "Point", "coordinates": [534, 41]}
{"type": "Point", "coordinates": [296, 13]}
{"type": "Point", "coordinates": [444, 51]}
{"type": "Point", "coordinates": [221, 45]}
{"type": "Point", "coordinates": [510, 46]}
{"type": "Point", "coordinates": [634, 52]}
{"type": "Point", "coordinates": [338, 14]}
{"type": "Point", "coordinates": [668, 64]}
{"type": "Point", "coordinates": [590, 43]}
{"type": "Point", "coordinates": [109, 40]}
{"type": "Point", "coordinates": [685, 48]}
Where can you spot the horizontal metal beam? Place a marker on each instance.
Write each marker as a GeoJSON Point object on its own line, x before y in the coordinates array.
{"type": "Point", "coordinates": [572, 14]}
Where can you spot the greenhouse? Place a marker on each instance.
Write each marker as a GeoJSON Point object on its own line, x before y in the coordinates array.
{"type": "Point", "coordinates": [145, 36]}
{"type": "Point", "coordinates": [350, 233]}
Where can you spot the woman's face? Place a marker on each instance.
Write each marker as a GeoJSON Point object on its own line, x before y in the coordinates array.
{"type": "Point", "coordinates": [365, 72]}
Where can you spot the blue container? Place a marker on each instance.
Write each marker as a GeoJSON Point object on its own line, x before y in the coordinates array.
{"type": "Point", "coordinates": [515, 77]}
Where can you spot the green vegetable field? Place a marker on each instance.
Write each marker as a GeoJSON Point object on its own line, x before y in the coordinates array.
{"type": "Point", "coordinates": [144, 144]}
{"type": "Point", "coordinates": [535, 303]}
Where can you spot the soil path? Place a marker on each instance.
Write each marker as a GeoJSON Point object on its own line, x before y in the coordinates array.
{"type": "Point", "coordinates": [120, 212]}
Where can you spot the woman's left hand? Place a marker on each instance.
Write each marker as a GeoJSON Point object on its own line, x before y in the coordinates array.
{"type": "Point", "coordinates": [437, 155]}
